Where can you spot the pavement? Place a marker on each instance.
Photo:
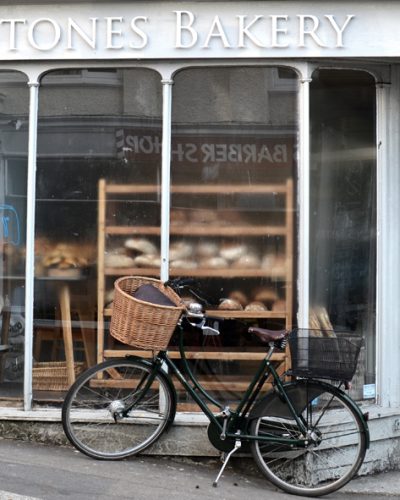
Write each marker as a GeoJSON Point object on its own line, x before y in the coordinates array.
{"type": "Point", "coordinates": [32, 471]}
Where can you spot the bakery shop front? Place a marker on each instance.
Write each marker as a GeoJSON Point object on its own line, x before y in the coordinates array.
{"type": "Point", "coordinates": [250, 145]}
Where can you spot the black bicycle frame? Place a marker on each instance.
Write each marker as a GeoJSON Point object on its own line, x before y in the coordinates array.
{"type": "Point", "coordinates": [265, 369]}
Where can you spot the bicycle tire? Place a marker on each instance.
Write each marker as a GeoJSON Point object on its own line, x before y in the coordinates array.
{"type": "Point", "coordinates": [92, 410]}
{"type": "Point", "coordinates": [340, 439]}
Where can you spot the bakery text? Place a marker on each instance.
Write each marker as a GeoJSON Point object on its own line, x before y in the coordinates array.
{"type": "Point", "coordinates": [189, 30]}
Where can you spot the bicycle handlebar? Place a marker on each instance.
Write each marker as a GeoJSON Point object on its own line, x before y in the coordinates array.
{"type": "Point", "coordinates": [192, 286]}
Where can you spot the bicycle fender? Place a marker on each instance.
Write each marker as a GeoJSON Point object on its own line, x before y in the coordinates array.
{"type": "Point", "coordinates": [363, 418]}
{"type": "Point", "coordinates": [169, 383]}
{"type": "Point", "coordinates": [273, 404]}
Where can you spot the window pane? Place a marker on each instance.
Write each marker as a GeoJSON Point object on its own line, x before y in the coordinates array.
{"type": "Point", "coordinates": [233, 166]}
{"type": "Point", "coordinates": [98, 206]}
{"type": "Point", "coordinates": [14, 109]}
{"type": "Point", "coordinates": [343, 209]}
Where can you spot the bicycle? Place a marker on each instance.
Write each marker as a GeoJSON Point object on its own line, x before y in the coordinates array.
{"type": "Point", "coordinates": [307, 436]}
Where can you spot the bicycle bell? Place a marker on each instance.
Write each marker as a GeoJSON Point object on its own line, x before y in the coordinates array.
{"type": "Point", "coordinates": [195, 308]}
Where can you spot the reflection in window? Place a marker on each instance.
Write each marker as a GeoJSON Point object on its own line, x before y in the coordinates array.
{"type": "Point", "coordinates": [233, 166]}
{"type": "Point", "coordinates": [14, 106]}
{"type": "Point", "coordinates": [97, 209]}
{"type": "Point", "coordinates": [343, 209]}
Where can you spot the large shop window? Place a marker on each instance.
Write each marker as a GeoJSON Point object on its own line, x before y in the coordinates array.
{"type": "Point", "coordinates": [232, 209]}
{"type": "Point", "coordinates": [14, 105]}
{"type": "Point", "coordinates": [97, 211]}
{"type": "Point", "coordinates": [343, 211]}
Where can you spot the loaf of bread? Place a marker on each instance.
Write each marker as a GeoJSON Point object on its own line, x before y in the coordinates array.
{"type": "Point", "coordinates": [239, 296]}
{"type": "Point", "coordinates": [147, 261]}
{"type": "Point", "coordinates": [207, 249]}
{"type": "Point", "coordinates": [279, 305]}
{"type": "Point", "coordinates": [183, 264]}
{"type": "Point", "coordinates": [115, 260]}
{"type": "Point", "coordinates": [141, 245]}
{"type": "Point", "coordinates": [230, 305]}
{"type": "Point", "coordinates": [214, 263]}
{"type": "Point", "coordinates": [248, 261]}
{"type": "Point", "coordinates": [256, 307]}
{"type": "Point", "coordinates": [268, 260]}
{"type": "Point", "coordinates": [265, 294]}
{"type": "Point", "coordinates": [233, 251]}
{"type": "Point", "coordinates": [180, 250]}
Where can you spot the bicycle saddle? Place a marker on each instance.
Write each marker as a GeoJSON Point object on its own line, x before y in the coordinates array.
{"type": "Point", "coordinates": [266, 336]}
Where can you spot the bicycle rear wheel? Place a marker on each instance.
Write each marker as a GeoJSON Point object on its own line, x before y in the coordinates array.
{"type": "Point", "coordinates": [335, 431]}
{"type": "Point", "coordinates": [94, 415]}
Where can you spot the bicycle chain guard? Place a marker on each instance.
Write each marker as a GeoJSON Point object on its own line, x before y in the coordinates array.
{"type": "Point", "coordinates": [226, 445]}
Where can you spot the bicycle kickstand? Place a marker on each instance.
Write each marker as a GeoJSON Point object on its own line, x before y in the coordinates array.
{"type": "Point", "coordinates": [238, 444]}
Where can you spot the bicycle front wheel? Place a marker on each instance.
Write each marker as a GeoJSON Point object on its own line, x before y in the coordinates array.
{"type": "Point", "coordinates": [336, 440]}
{"type": "Point", "coordinates": [108, 415]}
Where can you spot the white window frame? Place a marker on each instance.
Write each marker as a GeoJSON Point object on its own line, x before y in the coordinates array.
{"type": "Point", "coordinates": [388, 207]}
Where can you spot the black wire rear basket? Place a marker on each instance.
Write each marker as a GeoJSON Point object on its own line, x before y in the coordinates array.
{"type": "Point", "coordinates": [324, 354]}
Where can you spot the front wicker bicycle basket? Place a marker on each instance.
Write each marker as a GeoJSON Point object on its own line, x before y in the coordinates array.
{"type": "Point", "coordinates": [143, 324]}
{"type": "Point", "coordinates": [324, 354]}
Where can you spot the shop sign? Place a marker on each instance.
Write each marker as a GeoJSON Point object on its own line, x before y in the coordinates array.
{"type": "Point", "coordinates": [173, 30]}
{"type": "Point", "coordinates": [207, 150]}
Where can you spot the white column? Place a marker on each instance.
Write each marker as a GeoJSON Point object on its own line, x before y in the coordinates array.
{"type": "Point", "coordinates": [30, 240]}
{"type": "Point", "coordinates": [388, 242]}
{"type": "Point", "coordinates": [166, 176]}
{"type": "Point", "coordinates": [304, 201]}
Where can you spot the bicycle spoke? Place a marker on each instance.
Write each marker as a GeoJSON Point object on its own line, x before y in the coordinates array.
{"type": "Point", "coordinates": [335, 450]}
{"type": "Point", "coordinates": [106, 422]}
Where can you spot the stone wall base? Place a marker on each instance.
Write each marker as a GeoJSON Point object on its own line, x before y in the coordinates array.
{"type": "Point", "coordinates": [188, 436]}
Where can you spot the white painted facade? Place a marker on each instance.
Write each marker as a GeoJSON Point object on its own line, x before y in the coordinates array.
{"type": "Point", "coordinates": [167, 36]}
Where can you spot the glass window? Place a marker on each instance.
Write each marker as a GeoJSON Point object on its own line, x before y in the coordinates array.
{"type": "Point", "coordinates": [97, 210]}
{"type": "Point", "coordinates": [14, 109]}
{"type": "Point", "coordinates": [232, 208]}
{"type": "Point", "coordinates": [343, 210]}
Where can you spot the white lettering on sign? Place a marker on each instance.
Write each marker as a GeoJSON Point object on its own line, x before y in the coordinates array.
{"type": "Point", "coordinates": [37, 26]}
{"type": "Point", "coordinates": [217, 31]}
{"type": "Point", "coordinates": [274, 28]}
{"type": "Point", "coordinates": [139, 32]}
{"type": "Point", "coordinates": [74, 27]}
{"type": "Point", "coordinates": [244, 31]}
{"type": "Point", "coordinates": [13, 30]}
{"type": "Point", "coordinates": [188, 31]}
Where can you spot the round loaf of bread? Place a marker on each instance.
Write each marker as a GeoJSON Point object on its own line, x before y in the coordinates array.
{"type": "Point", "coordinates": [233, 251]}
{"type": "Point", "coordinates": [147, 261]}
{"type": "Point", "coordinates": [207, 249]}
{"type": "Point", "coordinates": [113, 260]}
{"type": "Point", "coordinates": [180, 250]}
{"type": "Point", "coordinates": [230, 305]}
{"type": "Point", "coordinates": [256, 307]}
{"type": "Point", "coordinates": [214, 263]}
{"type": "Point", "coordinates": [141, 245]}
{"type": "Point", "coordinates": [248, 261]}
{"type": "Point", "coordinates": [183, 264]}
{"type": "Point", "coordinates": [239, 296]}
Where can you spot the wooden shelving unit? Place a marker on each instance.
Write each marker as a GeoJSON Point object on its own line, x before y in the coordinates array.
{"type": "Point", "coordinates": [108, 193]}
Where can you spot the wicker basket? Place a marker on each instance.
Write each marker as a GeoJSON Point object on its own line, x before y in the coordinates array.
{"type": "Point", "coordinates": [142, 324]}
{"type": "Point", "coordinates": [52, 376]}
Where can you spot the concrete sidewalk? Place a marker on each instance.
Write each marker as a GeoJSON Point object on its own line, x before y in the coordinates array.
{"type": "Point", "coordinates": [384, 484]}
{"type": "Point", "coordinates": [33, 471]}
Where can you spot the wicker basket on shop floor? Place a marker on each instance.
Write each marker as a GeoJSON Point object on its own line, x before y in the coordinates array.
{"type": "Point", "coordinates": [52, 375]}
{"type": "Point", "coordinates": [140, 324]}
